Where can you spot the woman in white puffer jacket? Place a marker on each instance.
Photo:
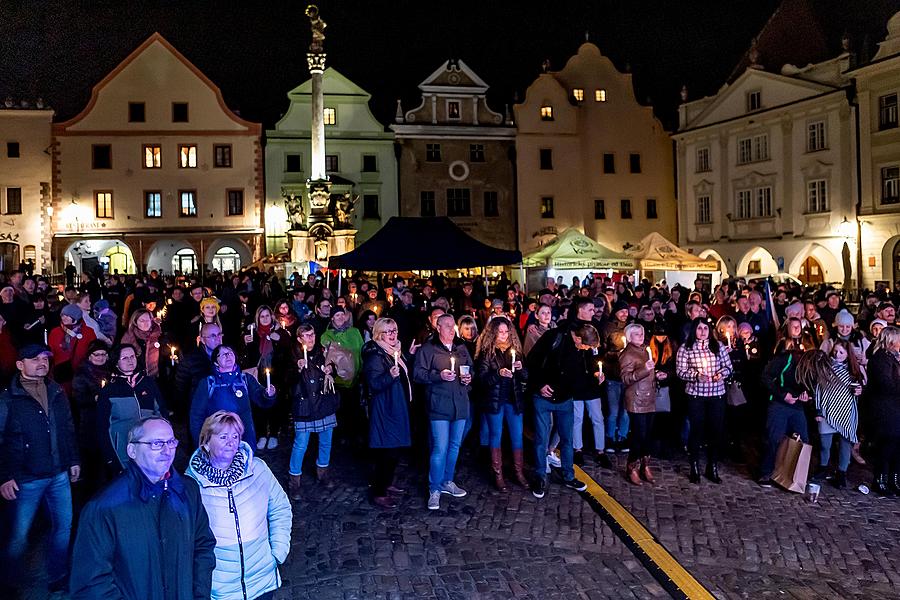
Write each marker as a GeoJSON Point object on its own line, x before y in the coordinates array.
{"type": "Point", "coordinates": [249, 513]}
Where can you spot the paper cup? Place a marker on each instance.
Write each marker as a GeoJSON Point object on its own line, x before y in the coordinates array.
{"type": "Point", "coordinates": [464, 369]}
{"type": "Point", "coordinates": [812, 492]}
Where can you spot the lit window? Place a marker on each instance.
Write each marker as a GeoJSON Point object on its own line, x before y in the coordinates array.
{"type": "Point", "coordinates": [453, 110]}
{"type": "Point", "coordinates": [546, 113]}
{"type": "Point", "coordinates": [330, 116]}
{"type": "Point", "coordinates": [152, 157]}
{"type": "Point", "coordinates": [187, 156]}
{"type": "Point", "coordinates": [104, 205]}
{"type": "Point", "coordinates": [600, 95]}
{"type": "Point", "coordinates": [547, 207]}
{"type": "Point", "coordinates": [188, 203]}
{"type": "Point", "coordinates": [153, 204]}
{"type": "Point", "coordinates": [578, 93]}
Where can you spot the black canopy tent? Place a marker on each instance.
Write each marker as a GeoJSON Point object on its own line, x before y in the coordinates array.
{"type": "Point", "coordinates": [418, 243]}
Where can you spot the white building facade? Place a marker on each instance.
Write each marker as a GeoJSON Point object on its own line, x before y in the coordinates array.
{"type": "Point", "coordinates": [25, 177]}
{"type": "Point", "coordinates": [766, 174]}
{"type": "Point", "coordinates": [157, 172]}
{"type": "Point", "coordinates": [878, 90]}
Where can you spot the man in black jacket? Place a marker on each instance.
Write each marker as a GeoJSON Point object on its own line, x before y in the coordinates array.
{"type": "Point", "coordinates": [196, 365]}
{"type": "Point", "coordinates": [38, 460]}
{"type": "Point", "coordinates": [146, 536]}
{"type": "Point", "coordinates": [554, 363]}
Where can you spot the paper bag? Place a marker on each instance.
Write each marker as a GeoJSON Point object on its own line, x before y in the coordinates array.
{"type": "Point", "coordinates": [792, 464]}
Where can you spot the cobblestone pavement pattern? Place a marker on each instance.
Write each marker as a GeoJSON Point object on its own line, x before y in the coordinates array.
{"type": "Point", "coordinates": [739, 540]}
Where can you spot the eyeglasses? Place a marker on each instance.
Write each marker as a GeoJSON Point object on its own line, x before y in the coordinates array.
{"type": "Point", "coordinates": [157, 445]}
{"type": "Point", "coordinates": [389, 331]}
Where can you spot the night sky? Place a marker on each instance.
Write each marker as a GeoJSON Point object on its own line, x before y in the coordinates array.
{"type": "Point", "coordinates": [255, 51]}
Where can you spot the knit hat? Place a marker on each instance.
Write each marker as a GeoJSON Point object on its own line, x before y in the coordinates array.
{"type": "Point", "coordinates": [101, 305]}
{"type": "Point", "coordinates": [619, 305]}
{"type": "Point", "coordinates": [843, 318]}
{"type": "Point", "coordinates": [881, 322]}
{"type": "Point", "coordinates": [72, 311]}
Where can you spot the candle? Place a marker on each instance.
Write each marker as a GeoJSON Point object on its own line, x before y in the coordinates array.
{"type": "Point", "coordinates": [102, 383]}
{"type": "Point", "coordinates": [305, 357]}
{"type": "Point", "coordinates": [268, 378]}
{"type": "Point", "coordinates": [45, 336]}
{"type": "Point", "coordinates": [396, 358]}
{"type": "Point", "coordinates": [728, 338]}
{"type": "Point", "coordinates": [649, 353]}
{"type": "Point", "coordinates": [456, 330]}
{"type": "Point", "coordinates": [172, 355]}
{"type": "Point", "coordinates": [453, 364]}
{"type": "Point", "coordinates": [704, 366]}
{"type": "Point", "coordinates": [513, 366]}
{"type": "Point", "coordinates": [599, 368]}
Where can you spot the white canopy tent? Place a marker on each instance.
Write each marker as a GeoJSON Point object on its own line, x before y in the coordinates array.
{"type": "Point", "coordinates": [573, 254]}
{"type": "Point", "coordinates": [656, 253]}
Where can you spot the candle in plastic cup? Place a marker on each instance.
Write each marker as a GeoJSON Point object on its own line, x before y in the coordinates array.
{"type": "Point", "coordinates": [464, 369]}
{"type": "Point", "coordinates": [812, 492]}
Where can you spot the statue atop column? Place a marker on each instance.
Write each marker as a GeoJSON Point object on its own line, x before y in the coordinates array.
{"type": "Point", "coordinates": [318, 26]}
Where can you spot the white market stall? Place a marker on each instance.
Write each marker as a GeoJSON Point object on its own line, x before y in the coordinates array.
{"type": "Point", "coordinates": [573, 254]}
{"type": "Point", "coordinates": [657, 254]}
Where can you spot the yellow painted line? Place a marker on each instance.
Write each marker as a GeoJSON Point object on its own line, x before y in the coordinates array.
{"type": "Point", "coordinates": [653, 551]}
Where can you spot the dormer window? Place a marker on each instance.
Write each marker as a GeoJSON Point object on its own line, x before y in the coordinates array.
{"type": "Point", "coordinates": [600, 95]}
{"type": "Point", "coordinates": [754, 100]}
{"type": "Point", "coordinates": [453, 111]}
{"type": "Point", "coordinates": [330, 116]}
{"type": "Point", "coordinates": [546, 113]}
{"type": "Point", "coordinates": [578, 94]}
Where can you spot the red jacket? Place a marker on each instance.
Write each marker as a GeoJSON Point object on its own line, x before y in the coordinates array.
{"type": "Point", "coordinates": [77, 352]}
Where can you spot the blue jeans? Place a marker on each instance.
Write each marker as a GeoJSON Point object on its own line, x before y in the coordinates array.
{"type": "Point", "coordinates": [782, 420]}
{"type": "Point", "coordinates": [595, 411]}
{"type": "Point", "coordinates": [446, 438]}
{"type": "Point", "coordinates": [844, 454]}
{"type": "Point", "coordinates": [617, 419]}
{"type": "Point", "coordinates": [513, 421]}
{"type": "Point", "coordinates": [301, 441]}
{"type": "Point", "coordinates": [56, 495]}
{"type": "Point", "coordinates": [564, 416]}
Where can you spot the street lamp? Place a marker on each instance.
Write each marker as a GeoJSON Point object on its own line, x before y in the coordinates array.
{"type": "Point", "coordinates": [846, 229]}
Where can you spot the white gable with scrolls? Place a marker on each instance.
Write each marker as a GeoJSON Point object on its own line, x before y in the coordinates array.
{"type": "Point", "coordinates": [775, 90]}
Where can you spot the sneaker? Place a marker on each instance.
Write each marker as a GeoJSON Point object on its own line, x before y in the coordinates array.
{"type": "Point", "coordinates": [765, 482]}
{"type": "Point", "coordinates": [272, 444]}
{"type": "Point", "coordinates": [261, 444]}
{"type": "Point", "coordinates": [553, 460]}
{"type": "Point", "coordinates": [538, 488]}
{"type": "Point", "coordinates": [623, 447]}
{"type": "Point", "coordinates": [434, 501]}
{"type": "Point", "coordinates": [603, 460]}
{"type": "Point", "coordinates": [578, 458]}
{"type": "Point", "coordinates": [575, 484]}
{"type": "Point", "coordinates": [453, 490]}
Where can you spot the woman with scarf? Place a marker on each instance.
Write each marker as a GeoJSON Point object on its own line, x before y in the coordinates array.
{"type": "Point", "coordinates": [144, 334]}
{"type": "Point", "coordinates": [387, 384]}
{"type": "Point", "coordinates": [882, 397]}
{"type": "Point", "coordinates": [315, 404]}
{"type": "Point", "coordinates": [366, 323]}
{"type": "Point", "coordinates": [228, 388]}
{"type": "Point", "coordinates": [128, 396]}
{"type": "Point", "coordinates": [858, 344]}
{"type": "Point", "coordinates": [69, 343]}
{"type": "Point", "coordinates": [249, 513]}
{"type": "Point", "coordinates": [836, 382]}
{"type": "Point", "coordinates": [499, 369]}
{"type": "Point", "coordinates": [265, 344]}
{"type": "Point", "coordinates": [209, 313]}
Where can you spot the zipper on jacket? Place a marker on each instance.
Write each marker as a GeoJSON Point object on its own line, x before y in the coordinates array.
{"type": "Point", "coordinates": [237, 526]}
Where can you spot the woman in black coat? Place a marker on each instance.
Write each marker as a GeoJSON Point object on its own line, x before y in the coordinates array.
{"type": "Point", "coordinates": [882, 403]}
{"type": "Point", "coordinates": [502, 377]}
{"type": "Point", "coordinates": [387, 382]}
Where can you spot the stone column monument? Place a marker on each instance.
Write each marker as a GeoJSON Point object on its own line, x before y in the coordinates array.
{"type": "Point", "coordinates": [324, 230]}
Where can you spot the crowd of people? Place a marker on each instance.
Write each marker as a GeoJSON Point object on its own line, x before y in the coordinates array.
{"type": "Point", "coordinates": [142, 407]}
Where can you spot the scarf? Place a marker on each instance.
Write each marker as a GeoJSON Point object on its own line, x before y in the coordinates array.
{"type": "Point", "coordinates": [265, 345]}
{"type": "Point", "coordinates": [222, 477]}
{"type": "Point", "coordinates": [390, 350]}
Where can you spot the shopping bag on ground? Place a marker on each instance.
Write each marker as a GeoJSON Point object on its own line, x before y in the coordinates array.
{"type": "Point", "coordinates": [792, 464]}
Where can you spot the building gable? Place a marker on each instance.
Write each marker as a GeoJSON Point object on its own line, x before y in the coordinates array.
{"type": "Point", "coordinates": [157, 75]}
{"type": "Point", "coordinates": [774, 90]}
{"type": "Point", "coordinates": [454, 76]}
